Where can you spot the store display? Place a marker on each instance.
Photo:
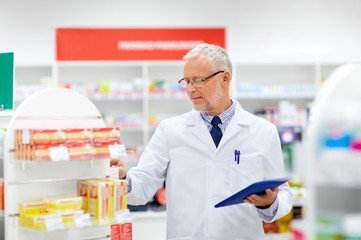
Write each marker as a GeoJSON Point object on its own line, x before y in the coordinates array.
{"type": "Point", "coordinates": [69, 144]}
{"type": "Point", "coordinates": [334, 160]}
{"type": "Point", "coordinates": [69, 127]}
{"type": "Point", "coordinates": [41, 215]}
{"type": "Point", "coordinates": [101, 199]}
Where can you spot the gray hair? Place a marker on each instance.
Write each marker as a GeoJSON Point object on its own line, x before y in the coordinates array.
{"type": "Point", "coordinates": [214, 54]}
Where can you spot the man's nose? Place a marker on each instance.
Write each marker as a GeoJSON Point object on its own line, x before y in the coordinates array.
{"type": "Point", "coordinates": [190, 87]}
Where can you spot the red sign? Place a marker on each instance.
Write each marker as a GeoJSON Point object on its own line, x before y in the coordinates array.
{"type": "Point", "coordinates": [86, 44]}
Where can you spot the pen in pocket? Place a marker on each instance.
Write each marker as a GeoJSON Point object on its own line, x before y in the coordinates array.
{"type": "Point", "coordinates": [237, 154]}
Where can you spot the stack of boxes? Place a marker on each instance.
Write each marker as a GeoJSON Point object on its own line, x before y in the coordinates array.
{"type": "Point", "coordinates": [100, 198]}
{"type": "Point", "coordinates": [36, 144]}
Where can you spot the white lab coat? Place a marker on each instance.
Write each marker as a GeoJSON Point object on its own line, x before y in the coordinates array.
{"type": "Point", "coordinates": [198, 175]}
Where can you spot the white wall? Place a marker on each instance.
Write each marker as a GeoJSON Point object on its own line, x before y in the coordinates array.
{"type": "Point", "coordinates": [257, 30]}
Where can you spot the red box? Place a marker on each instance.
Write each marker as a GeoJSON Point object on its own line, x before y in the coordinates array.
{"type": "Point", "coordinates": [121, 231]}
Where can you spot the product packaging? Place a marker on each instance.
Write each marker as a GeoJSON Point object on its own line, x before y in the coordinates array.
{"type": "Point", "coordinates": [77, 135]}
{"type": "Point", "coordinates": [30, 207]}
{"type": "Point", "coordinates": [83, 192]}
{"type": "Point", "coordinates": [102, 149]}
{"type": "Point", "coordinates": [68, 218]}
{"type": "Point", "coordinates": [100, 134]}
{"type": "Point", "coordinates": [57, 204]}
{"type": "Point", "coordinates": [120, 194]}
{"type": "Point", "coordinates": [84, 187]}
{"type": "Point", "coordinates": [122, 230]}
{"type": "Point", "coordinates": [101, 201]}
{"type": "Point", "coordinates": [38, 221]}
{"type": "Point", "coordinates": [79, 150]}
{"type": "Point", "coordinates": [34, 144]}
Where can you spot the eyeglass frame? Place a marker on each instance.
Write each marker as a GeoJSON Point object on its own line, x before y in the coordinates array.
{"type": "Point", "coordinates": [199, 81]}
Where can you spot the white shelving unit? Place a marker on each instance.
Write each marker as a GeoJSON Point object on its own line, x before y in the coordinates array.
{"type": "Point", "coordinates": [254, 85]}
{"type": "Point", "coordinates": [334, 181]}
{"type": "Point", "coordinates": [29, 181]}
{"type": "Point", "coordinates": [260, 85]}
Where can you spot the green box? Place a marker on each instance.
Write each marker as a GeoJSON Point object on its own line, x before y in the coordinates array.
{"type": "Point", "coordinates": [7, 80]}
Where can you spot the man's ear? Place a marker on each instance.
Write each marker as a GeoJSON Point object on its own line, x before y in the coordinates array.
{"type": "Point", "coordinates": [226, 78]}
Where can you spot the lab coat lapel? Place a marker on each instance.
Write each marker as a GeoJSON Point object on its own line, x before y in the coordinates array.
{"type": "Point", "coordinates": [239, 121]}
{"type": "Point", "coordinates": [199, 129]}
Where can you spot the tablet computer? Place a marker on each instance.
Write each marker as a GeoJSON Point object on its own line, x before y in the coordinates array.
{"type": "Point", "coordinates": [254, 188]}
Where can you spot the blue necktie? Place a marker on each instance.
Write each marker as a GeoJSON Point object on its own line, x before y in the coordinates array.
{"type": "Point", "coordinates": [216, 132]}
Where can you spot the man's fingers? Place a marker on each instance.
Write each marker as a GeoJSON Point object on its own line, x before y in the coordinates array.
{"type": "Point", "coordinates": [116, 163]}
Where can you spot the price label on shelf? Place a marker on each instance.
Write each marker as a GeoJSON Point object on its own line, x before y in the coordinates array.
{"type": "Point", "coordinates": [59, 153]}
{"type": "Point", "coordinates": [117, 151]}
{"type": "Point", "coordinates": [82, 220]}
{"type": "Point", "coordinates": [26, 136]}
{"type": "Point", "coordinates": [54, 223]}
{"type": "Point", "coordinates": [123, 216]}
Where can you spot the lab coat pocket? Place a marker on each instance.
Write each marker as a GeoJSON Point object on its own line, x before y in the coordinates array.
{"type": "Point", "coordinates": [248, 170]}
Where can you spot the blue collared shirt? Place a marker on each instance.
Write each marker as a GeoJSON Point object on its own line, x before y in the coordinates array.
{"type": "Point", "coordinates": [225, 117]}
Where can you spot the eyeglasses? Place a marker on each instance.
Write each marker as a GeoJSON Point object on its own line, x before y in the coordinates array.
{"type": "Point", "coordinates": [196, 82]}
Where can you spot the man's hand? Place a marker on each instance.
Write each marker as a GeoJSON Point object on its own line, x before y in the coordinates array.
{"type": "Point", "coordinates": [117, 163]}
{"type": "Point", "coordinates": [264, 200]}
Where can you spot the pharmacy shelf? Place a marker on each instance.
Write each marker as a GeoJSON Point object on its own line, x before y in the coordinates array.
{"type": "Point", "coordinates": [28, 181]}
{"type": "Point", "coordinates": [86, 233]}
{"type": "Point", "coordinates": [333, 180]}
{"type": "Point", "coordinates": [298, 83]}
{"type": "Point", "coordinates": [42, 171]}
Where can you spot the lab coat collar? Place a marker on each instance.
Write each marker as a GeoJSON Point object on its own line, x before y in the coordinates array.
{"type": "Point", "coordinates": [199, 129]}
{"type": "Point", "coordinates": [239, 120]}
